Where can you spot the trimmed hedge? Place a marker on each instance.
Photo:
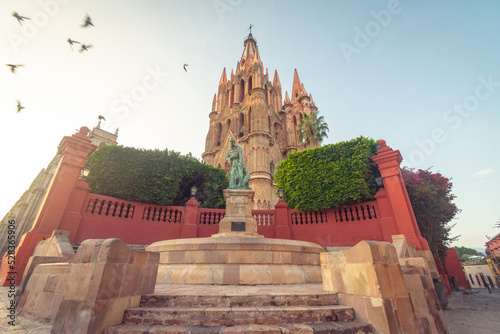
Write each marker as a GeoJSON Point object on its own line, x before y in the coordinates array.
{"type": "Point", "coordinates": [154, 176]}
{"type": "Point", "coordinates": [329, 176]}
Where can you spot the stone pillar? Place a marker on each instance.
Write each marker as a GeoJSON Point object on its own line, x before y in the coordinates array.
{"type": "Point", "coordinates": [387, 221]}
{"type": "Point", "coordinates": [190, 224]}
{"type": "Point", "coordinates": [368, 278]}
{"type": "Point", "coordinates": [281, 218]}
{"type": "Point", "coordinates": [388, 162]}
{"type": "Point", "coordinates": [106, 278]}
{"type": "Point", "coordinates": [75, 150]}
{"type": "Point", "coordinates": [238, 220]}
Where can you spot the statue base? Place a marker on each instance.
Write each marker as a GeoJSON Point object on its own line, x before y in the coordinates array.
{"type": "Point", "coordinates": [238, 221]}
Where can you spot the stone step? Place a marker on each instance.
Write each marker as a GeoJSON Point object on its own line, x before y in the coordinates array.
{"type": "Point", "coordinates": [165, 300]}
{"type": "Point", "coordinates": [231, 316]}
{"type": "Point", "coordinates": [351, 327]}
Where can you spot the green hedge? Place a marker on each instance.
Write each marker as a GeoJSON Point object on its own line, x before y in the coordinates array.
{"type": "Point", "coordinates": [154, 176]}
{"type": "Point", "coordinates": [329, 176]}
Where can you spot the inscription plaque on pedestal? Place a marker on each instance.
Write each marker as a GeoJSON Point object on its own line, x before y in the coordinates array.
{"type": "Point", "coordinates": [238, 227]}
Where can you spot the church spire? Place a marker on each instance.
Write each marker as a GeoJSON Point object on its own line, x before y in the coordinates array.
{"type": "Point", "coordinates": [296, 86]}
{"type": "Point", "coordinates": [276, 79]}
{"type": "Point", "coordinates": [250, 49]}
{"type": "Point", "coordinates": [223, 78]}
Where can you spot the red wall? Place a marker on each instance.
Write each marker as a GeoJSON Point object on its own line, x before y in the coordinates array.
{"type": "Point", "coordinates": [454, 268]}
{"type": "Point", "coordinates": [142, 224]}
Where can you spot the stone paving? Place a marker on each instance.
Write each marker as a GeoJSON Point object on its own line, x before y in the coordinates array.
{"type": "Point", "coordinates": [473, 313]}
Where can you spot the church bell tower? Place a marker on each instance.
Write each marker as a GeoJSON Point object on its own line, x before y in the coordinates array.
{"type": "Point", "coordinates": [249, 107]}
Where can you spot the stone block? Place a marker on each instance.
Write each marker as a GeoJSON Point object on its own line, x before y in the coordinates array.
{"type": "Point", "coordinates": [282, 257]}
{"type": "Point", "coordinates": [247, 274]}
{"type": "Point", "coordinates": [405, 314]}
{"type": "Point", "coordinates": [79, 281]}
{"type": "Point", "coordinates": [391, 281]}
{"type": "Point", "coordinates": [132, 279]}
{"type": "Point", "coordinates": [261, 257]}
{"type": "Point", "coordinates": [114, 251]}
{"type": "Point", "coordinates": [217, 257]}
{"type": "Point", "coordinates": [231, 274]}
{"type": "Point", "coordinates": [51, 283]}
{"type": "Point", "coordinates": [86, 251]}
{"type": "Point", "coordinates": [177, 257]}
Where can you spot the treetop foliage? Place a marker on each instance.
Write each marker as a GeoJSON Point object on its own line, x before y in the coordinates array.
{"type": "Point", "coordinates": [312, 129]}
{"type": "Point", "coordinates": [154, 176]}
{"type": "Point", "coordinates": [432, 201]}
{"type": "Point", "coordinates": [465, 253]}
{"type": "Point", "coordinates": [329, 176]}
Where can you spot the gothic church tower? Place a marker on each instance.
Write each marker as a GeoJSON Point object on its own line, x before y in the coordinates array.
{"type": "Point", "coordinates": [250, 108]}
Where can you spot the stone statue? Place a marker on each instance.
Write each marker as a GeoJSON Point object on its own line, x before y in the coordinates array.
{"type": "Point", "coordinates": [239, 173]}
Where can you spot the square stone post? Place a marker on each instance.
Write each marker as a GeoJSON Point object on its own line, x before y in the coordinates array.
{"type": "Point", "coordinates": [75, 150]}
{"type": "Point", "coordinates": [190, 224]}
{"type": "Point", "coordinates": [282, 223]}
{"type": "Point", "coordinates": [388, 162]}
{"type": "Point", "coordinates": [106, 278]}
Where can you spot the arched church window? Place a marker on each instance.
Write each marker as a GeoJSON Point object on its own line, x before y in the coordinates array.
{"type": "Point", "coordinates": [242, 90]}
{"type": "Point", "coordinates": [250, 86]}
{"type": "Point", "coordinates": [217, 134]}
{"type": "Point", "coordinates": [249, 120]}
{"type": "Point", "coordinates": [232, 94]}
{"type": "Point", "coordinates": [241, 125]}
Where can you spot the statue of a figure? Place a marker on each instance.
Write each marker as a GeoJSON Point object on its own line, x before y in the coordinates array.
{"type": "Point", "coordinates": [239, 173]}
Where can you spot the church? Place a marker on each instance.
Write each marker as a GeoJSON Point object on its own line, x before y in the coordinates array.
{"type": "Point", "coordinates": [250, 108]}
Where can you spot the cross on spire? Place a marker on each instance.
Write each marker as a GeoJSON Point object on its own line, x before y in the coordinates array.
{"type": "Point", "coordinates": [250, 28]}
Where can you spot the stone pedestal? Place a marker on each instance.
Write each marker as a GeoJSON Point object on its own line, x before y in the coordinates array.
{"type": "Point", "coordinates": [238, 221]}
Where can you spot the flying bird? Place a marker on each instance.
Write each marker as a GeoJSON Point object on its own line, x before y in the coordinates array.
{"type": "Point", "coordinates": [101, 117]}
{"type": "Point", "coordinates": [13, 67]}
{"type": "Point", "coordinates": [87, 22]}
{"type": "Point", "coordinates": [19, 106]}
{"type": "Point", "coordinates": [85, 48]}
{"type": "Point", "coordinates": [20, 18]}
{"type": "Point", "coordinates": [71, 42]}
{"type": "Point", "coordinates": [185, 69]}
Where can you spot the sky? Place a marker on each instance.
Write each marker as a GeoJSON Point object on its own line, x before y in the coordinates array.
{"type": "Point", "coordinates": [422, 75]}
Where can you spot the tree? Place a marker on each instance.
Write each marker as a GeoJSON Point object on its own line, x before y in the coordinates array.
{"type": "Point", "coordinates": [432, 200]}
{"type": "Point", "coordinates": [465, 253]}
{"type": "Point", "coordinates": [154, 176]}
{"type": "Point", "coordinates": [312, 129]}
{"type": "Point", "coordinates": [329, 176]}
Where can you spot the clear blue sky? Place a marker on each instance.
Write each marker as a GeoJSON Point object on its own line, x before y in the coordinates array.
{"type": "Point", "coordinates": [423, 75]}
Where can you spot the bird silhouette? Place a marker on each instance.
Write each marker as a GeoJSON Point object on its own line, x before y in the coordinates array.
{"type": "Point", "coordinates": [71, 42]}
{"type": "Point", "coordinates": [185, 69]}
{"type": "Point", "coordinates": [87, 22]}
{"type": "Point", "coordinates": [20, 18]}
{"type": "Point", "coordinates": [85, 47]}
{"type": "Point", "coordinates": [19, 106]}
{"type": "Point", "coordinates": [101, 117]}
{"type": "Point", "coordinates": [13, 67]}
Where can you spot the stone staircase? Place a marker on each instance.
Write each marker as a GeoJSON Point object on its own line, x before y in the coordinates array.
{"type": "Point", "coordinates": [236, 312]}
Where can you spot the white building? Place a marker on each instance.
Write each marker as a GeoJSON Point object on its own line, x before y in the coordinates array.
{"type": "Point", "coordinates": [478, 275]}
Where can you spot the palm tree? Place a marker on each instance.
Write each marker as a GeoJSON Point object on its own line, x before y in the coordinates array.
{"type": "Point", "coordinates": [312, 129]}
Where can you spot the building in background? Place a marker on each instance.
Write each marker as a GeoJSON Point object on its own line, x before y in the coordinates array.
{"type": "Point", "coordinates": [250, 108]}
{"type": "Point", "coordinates": [27, 206]}
{"type": "Point", "coordinates": [479, 275]}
